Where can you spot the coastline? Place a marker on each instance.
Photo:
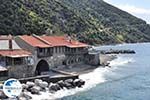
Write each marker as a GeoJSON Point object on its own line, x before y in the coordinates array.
{"type": "Point", "coordinates": [81, 69]}
{"type": "Point", "coordinates": [84, 68]}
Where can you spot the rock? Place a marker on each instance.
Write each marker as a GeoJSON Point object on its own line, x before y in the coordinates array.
{"type": "Point", "coordinates": [22, 98]}
{"type": "Point", "coordinates": [69, 81]}
{"type": "Point", "coordinates": [30, 84]}
{"type": "Point", "coordinates": [111, 51]}
{"type": "Point", "coordinates": [2, 95]}
{"type": "Point", "coordinates": [35, 90]}
{"type": "Point", "coordinates": [78, 82]}
{"type": "Point", "coordinates": [61, 83]}
{"type": "Point", "coordinates": [24, 86]}
{"type": "Point", "coordinates": [43, 84]}
{"type": "Point", "coordinates": [54, 87]}
{"type": "Point", "coordinates": [57, 87]}
{"type": "Point", "coordinates": [25, 95]}
{"type": "Point", "coordinates": [25, 90]}
{"type": "Point", "coordinates": [75, 82]}
{"type": "Point", "coordinates": [81, 83]}
{"type": "Point", "coordinates": [44, 89]}
{"type": "Point", "coordinates": [68, 85]}
{"type": "Point", "coordinates": [37, 81]}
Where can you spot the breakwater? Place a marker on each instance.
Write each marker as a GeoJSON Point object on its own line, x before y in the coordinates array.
{"type": "Point", "coordinates": [111, 51]}
{"type": "Point", "coordinates": [45, 83]}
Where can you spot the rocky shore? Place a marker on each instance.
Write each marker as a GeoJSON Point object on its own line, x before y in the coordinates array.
{"type": "Point", "coordinates": [38, 86]}
{"type": "Point", "coordinates": [111, 51]}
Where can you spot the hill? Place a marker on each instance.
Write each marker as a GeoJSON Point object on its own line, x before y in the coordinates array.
{"type": "Point", "coordinates": [90, 21]}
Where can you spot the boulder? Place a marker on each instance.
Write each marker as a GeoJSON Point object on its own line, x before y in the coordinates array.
{"type": "Point", "coordinates": [38, 81]}
{"type": "Point", "coordinates": [54, 87]}
{"type": "Point", "coordinates": [35, 90]}
{"type": "Point", "coordinates": [43, 84]}
{"type": "Point", "coordinates": [24, 86]}
{"type": "Point", "coordinates": [81, 83]}
{"type": "Point", "coordinates": [75, 82]}
{"type": "Point", "coordinates": [25, 96]}
{"type": "Point", "coordinates": [61, 84]}
{"type": "Point", "coordinates": [30, 84]}
{"type": "Point", "coordinates": [22, 98]}
{"type": "Point", "coordinates": [2, 95]}
{"type": "Point", "coordinates": [68, 85]}
{"type": "Point", "coordinates": [78, 82]}
{"type": "Point", "coordinates": [69, 81]}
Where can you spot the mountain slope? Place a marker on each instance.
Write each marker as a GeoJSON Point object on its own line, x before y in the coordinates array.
{"type": "Point", "coordinates": [90, 21]}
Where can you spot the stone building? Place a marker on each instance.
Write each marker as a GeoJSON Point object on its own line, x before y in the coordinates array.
{"type": "Point", "coordinates": [52, 51]}
{"type": "Point", "coordinates": [13, 60]}
{"type": "Point", "coordinates": [24, 56]}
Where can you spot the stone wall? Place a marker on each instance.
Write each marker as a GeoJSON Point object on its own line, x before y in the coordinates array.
{"type": "Point", "coordinates": [93, 59]}
{"type": "Point", "coordinates": [20, 71]}
{"type": "Point", "coordinates": [74, 59]}
{"type": "Point", "coordinates": [60, 56]}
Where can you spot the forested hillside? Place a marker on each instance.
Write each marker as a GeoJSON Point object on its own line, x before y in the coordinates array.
{"type": "Point", "coordinates": [90, 21]}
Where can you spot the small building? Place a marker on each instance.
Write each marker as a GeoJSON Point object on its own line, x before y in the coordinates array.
{"type": "Point", "coordinates": [13, 59]}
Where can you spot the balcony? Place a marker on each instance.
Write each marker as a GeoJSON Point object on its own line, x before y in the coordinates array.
{"type": "Point", "coordinates": [40, 55]}
{"type": "Point", "coordinates": [76, 52]}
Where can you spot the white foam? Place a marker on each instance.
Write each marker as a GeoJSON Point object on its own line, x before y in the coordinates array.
{"type": "Point", "coordinates": [120, 61]}
{"type": "Point", "coordinates": [92, 79]}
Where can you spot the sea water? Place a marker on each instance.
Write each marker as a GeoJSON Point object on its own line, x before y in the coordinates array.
{"type": "Point", "coordinates": [127, 79]}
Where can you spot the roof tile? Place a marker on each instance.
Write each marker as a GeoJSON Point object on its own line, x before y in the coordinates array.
{"type": "Point", "coordinates": [49, 41]}
{"type": "Point", "coordinates": [14, 53]}
{"type": "Point", "coordinates": [34, 41]}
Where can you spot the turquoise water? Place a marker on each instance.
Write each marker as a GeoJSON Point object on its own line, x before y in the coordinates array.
{"type": "Point", "coordinates": [127, 79]}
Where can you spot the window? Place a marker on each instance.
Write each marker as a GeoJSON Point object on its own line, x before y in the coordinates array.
{"type": "Point", "coordinates": [4, 74]}
{"type": "Point", "coordinates": [40, 50]}
{"type": "Point", "coordinates": [59, 49]}
{"type": "Point", "coordinates": [55, 49]}
{"type": "Point", "coordinates": [8, 61]}
{"type": "Point", "coordinates": [46, 50]}
{"type": "Point", "coordinates": [2, 61]}
{"type": "Point", "coordinates": [64, 49]}
{"type": "Point", "coordinates": [18, 61]}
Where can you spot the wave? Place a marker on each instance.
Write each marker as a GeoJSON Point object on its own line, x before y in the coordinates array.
{"type": "Point", "coordinates": [92, 79]}
{"type": "Point", "coordinates": [120, 61]}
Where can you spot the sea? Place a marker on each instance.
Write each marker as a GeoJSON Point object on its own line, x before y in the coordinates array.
{"type": "Point", "coordinates": [128, 78]}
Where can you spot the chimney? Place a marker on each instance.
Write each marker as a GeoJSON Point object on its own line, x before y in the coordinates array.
{"type": "Point", "coordinates": [10, 43]}
{"type": "Point", "coordinates": [68, 38]}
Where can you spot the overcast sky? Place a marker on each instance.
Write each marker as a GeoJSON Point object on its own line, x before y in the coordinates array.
{"type": "Point", "coordinates": [139, 8]}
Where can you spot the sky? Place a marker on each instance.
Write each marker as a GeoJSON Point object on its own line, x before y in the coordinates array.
{"type": "Point", "coordinates": [138, 8]}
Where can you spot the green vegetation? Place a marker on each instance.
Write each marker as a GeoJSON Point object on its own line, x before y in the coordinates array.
{"type": "Point", "coordinates": [90, 21]}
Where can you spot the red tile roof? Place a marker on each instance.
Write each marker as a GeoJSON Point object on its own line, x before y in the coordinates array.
{"type": "Point", "coordinates": [49, 41]}
{"type": "Point", "coordinates": [63, 41]}
{"type": "Point", "coordinates": [14, 53]}
{"type": "Point", "coordinates": [5, 37]}
{"type": "Point", "coordinates": [34, 41]}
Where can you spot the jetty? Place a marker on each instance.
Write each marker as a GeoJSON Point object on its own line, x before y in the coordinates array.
{"type": "Point", "coordinates": [111, 51]}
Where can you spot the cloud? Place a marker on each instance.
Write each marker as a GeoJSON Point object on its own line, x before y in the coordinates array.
{"type": "Point", "coordinates": [108, 1]}
{"type": "Point", "coordinates": [137, 11]}
{"type": "Point", "coordinates": [133, 9]}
